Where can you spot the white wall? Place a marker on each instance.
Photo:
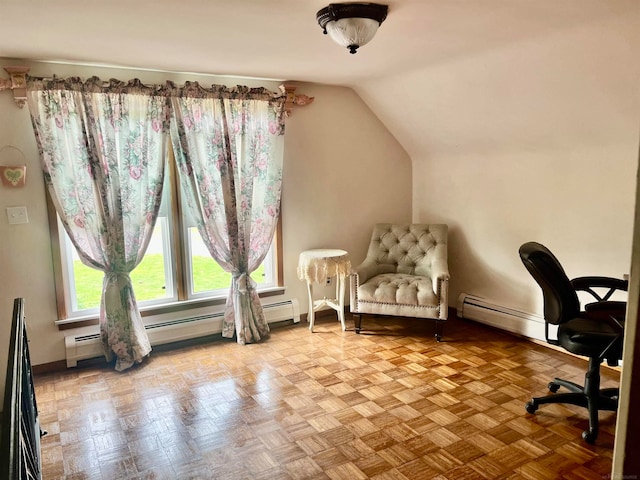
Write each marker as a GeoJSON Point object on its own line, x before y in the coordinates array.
{"type": "Point", "coordinates": [343, 173]}
{"type": "Point", "coordinates": [25, 250]}
{"type": "Point", "coordinates": [536, 140]}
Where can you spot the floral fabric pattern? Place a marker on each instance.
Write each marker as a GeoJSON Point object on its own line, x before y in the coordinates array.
{"type": "Point", "coordinates": [228, 145]}
{"type": "Point", "coordinates": [103, 150]}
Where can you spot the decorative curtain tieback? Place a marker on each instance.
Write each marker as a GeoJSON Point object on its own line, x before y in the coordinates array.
{"type": "Point", "coordinates": [244, 282]}
{"type": "Point", "coordinates": [113, 274]}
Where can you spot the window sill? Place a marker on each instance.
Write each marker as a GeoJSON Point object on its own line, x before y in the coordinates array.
{"type": "Point", "coordinates": [179, 306]}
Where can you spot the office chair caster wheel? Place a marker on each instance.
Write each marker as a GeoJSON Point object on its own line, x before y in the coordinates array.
{"type": "Point", "coordinates": [531, 407]}
{"type": "Point", "coordinates": [553, 387]}
{"type": "Point", "coordinates": [589, 436]}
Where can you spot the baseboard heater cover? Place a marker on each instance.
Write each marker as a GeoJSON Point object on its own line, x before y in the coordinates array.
{"type": "Point", "coordinates": [485, 311]}
{"type": "Point", "coordinates": [84, 346]}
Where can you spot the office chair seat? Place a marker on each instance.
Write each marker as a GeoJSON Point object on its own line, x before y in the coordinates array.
{"type": "Point", "coordinates": [587, 337]}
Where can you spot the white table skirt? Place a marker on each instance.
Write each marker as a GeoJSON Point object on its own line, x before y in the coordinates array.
{"type": "Point", "coordinates": [315, 266]}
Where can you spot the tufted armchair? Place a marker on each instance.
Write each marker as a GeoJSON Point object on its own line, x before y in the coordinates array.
{"type": "Point", "coordinates": [405, 274]}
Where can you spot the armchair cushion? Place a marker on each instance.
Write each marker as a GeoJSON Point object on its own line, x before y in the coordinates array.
{"type": "Point", "coordinates": [399, 288]}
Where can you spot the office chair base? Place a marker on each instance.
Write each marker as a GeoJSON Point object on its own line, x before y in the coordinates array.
{"type": "Point", "coordinates": [605, 399]}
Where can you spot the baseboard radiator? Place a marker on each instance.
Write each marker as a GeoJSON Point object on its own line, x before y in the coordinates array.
{"type": "Point", "coordinates": [84, 346]}
{"type": "Point", "coordinates": [489, 313]}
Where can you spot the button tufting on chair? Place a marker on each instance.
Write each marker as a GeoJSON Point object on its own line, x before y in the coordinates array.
{"type": "Point", "coordinates": [405, 274]}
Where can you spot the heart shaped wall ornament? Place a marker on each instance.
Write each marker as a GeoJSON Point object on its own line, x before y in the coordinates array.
{"type": "Point", "coordinates": [13, 176]}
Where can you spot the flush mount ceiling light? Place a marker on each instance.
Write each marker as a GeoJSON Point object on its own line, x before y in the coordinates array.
{"type": "Point", "coordinates": [351, 24]}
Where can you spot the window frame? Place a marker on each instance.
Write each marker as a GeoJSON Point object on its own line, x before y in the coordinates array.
{"type": "Point", "coordinates": [67, 320]}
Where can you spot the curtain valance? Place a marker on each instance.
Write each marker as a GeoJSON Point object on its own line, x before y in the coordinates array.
{"type": "Point", "coordinates": [169, 89]}
{"type": "Point", "coordinates": [277, 101]}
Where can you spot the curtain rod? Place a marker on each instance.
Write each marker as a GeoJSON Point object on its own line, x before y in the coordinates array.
{"type": "Point", "coordinates": [17, 82]}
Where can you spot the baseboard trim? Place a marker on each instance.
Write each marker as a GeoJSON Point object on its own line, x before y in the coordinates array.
{"type": "Point", "coordinates": [51, 367]}
{"type": "Point", "coordinates": [488, 312]}
{"type": "Point", "coordinates": [542, 343]}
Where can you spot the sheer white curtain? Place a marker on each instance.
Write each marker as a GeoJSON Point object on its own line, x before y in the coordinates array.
{"type": "Point", "coordinates": [228, 145]}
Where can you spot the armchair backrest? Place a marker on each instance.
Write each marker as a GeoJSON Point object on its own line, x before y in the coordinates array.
{"type": "Point", "coordinates": [561, 301]}
{"type": "Point", "coordinates": [407, 248]}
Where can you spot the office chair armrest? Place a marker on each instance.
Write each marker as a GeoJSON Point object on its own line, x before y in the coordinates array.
{"type": "Point", "coordinates": [608, 306]}
{"type": "Point", "coordinates": [612, 313]}
{"type": "Point", "coordinates": [587, 284]}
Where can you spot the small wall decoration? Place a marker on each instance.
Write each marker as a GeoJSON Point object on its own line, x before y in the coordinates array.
{"type": "Point", "coordinates": [13, 176]}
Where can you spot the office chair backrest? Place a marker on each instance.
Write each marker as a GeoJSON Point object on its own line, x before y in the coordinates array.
{"type": "Point", "coordinates": [560, 299]}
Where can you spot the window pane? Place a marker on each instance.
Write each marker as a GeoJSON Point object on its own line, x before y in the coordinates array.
{"type": "Point", "coordinates": [207, 275]}
{"type": "Point", "coordinates": [86, 287]}
{"type": "Point", "coordinates": [151, 279]}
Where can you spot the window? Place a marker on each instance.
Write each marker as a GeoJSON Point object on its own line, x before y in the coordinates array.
{"type": "Point", "coordinates": [177, 270]}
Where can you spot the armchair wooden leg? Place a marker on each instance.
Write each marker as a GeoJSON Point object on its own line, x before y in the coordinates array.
{"type": "Point", "coordinates": [438, 334]}
{"type": "Point", "coordinates": [357, 321]}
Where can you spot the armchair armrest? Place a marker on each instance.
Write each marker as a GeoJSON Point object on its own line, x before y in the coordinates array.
{"type": "Point", "coordinates": [587, 284]}
{"type": "Point", "coordinates": [439, 273]}
{"type": "Point", "coordinates": [360, 275]}
{"type": "Point", "coordinates": [367, 270]}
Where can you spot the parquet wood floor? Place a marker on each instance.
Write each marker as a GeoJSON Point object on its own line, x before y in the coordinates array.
{"type": "Point", "coordinates": [388, 404]}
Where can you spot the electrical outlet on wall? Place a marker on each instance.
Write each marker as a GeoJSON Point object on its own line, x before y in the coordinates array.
{"type": "Point", "coordinates": [329, 281]}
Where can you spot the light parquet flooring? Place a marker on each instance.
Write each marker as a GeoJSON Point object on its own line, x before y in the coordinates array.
{"type": "Point", "coordinates": [388, 404]}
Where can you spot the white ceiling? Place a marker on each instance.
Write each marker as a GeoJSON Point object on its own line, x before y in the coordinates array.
{"type": "Point", "coordinates": [275, 39]}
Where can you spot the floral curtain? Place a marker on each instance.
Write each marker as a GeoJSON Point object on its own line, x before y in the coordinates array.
{"type": "Point", "coordinates": [103, 149]}
{"type": "Point", "coordinates": [228, 145]}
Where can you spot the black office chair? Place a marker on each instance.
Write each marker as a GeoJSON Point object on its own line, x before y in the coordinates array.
{"type": "Point", "coordinates": [595, 332]}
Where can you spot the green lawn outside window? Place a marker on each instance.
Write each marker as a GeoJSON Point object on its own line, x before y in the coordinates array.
{"type": "Point", "coordinates": [148, 279]}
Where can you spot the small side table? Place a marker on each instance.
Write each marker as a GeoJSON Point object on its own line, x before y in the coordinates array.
{"type": "Point", "coordinates": [315, 266]}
